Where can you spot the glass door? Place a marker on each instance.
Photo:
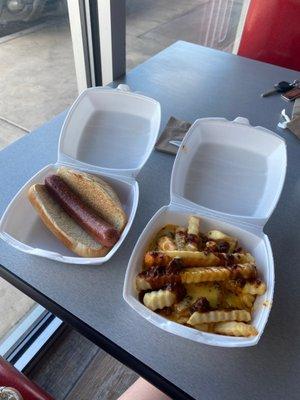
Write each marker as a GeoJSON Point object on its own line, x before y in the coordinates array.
{"type": "Point", "coordinates": [152, 25]}
{"type": "Point", "coordinates": [125, 33]}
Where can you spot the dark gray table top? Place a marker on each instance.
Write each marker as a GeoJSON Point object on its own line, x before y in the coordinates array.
{"type": "Point", "coordinates": [190, 82]}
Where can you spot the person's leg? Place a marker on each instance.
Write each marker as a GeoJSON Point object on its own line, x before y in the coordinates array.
{"type": "Point", "coordinates": [143, 390]}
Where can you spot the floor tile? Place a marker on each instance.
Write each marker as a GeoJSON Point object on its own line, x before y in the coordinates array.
{"type": "Point", "coordinates": [104, 379]}
{"type": "Point", "coordinates": [63, 363]}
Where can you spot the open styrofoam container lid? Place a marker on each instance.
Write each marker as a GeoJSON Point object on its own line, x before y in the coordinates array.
{"type": "Point", "coordinates": [230, 169]}
{"type": "Point", "coordinates": [110, 130]}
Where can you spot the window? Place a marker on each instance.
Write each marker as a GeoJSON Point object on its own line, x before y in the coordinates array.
{"type": "Point", "coordinates": [42, 69]}
{"type": "Point", "coordinates": [152, 25]}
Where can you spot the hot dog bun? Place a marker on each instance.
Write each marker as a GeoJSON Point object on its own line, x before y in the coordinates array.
{"type": "Point", "coordinates": [97, 195]}
{"type": "Point", "coordinates": [62, 226]}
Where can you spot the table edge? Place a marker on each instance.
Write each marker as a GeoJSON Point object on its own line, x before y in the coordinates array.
{"type": "Point", "coordinates": [96, 337]}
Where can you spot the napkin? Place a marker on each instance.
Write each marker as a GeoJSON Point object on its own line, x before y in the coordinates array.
{"type": "Point", "coordinates": [174, 130]}
{"type": "Point", "coordinates": [294, 125]}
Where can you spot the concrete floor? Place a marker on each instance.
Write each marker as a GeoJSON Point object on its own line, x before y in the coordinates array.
{"type": "Point", "coordinates": [156, 24]}
{"type": "Point", "coordinates": [74, 368]}
{"type": "Point", "coordinates": [37, 74]}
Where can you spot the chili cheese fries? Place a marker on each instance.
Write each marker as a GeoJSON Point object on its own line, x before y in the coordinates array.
{"type": "Point", "coordinates": [204, 281]}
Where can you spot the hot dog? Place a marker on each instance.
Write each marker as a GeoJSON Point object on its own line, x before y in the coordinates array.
{"type": "Point", "coordinates": [100, 230]}
{"type": "Point", "coordinates": [81, 210]}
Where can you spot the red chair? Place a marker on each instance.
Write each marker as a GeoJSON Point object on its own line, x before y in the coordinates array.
{"type": "Point", "coordinates": [272, 33]}
{"type": "Point", "coordinates": [10, 377]}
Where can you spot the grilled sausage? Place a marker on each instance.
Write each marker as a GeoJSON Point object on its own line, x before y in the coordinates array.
{"type": "Point", "coordinates": [99, 229]}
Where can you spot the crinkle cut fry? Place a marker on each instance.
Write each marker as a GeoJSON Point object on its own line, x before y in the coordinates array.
{"type": "Point", "coordinates": [233, 328]}
{"type": "Point", "coordinates": [166, 243]}
{"type": "Point", "coordinates": [218, 316]}
{"type": "Point", "coordinates": [180, 237]}
{"type": "Point", "coordinates": [218, 235]}
{"type": "Point", "coordinates": [155, 283]}
{"type": "Point", "coordinates": [159, 299]}
{"type": "Point", "coordinates": [205, 327]}
{"type": "Point", "coordinates": [196, 275]}
{"type": "Point", "coordinates": [195, 258]}
{"type": "Point", "coordinates": [248, 299]}
{"type": "Point", "coordinates": [193, 233]}
{"type": "Point", "coordinates": [254, 288]}
{"type": "Point", "coordinates": [141, 283]}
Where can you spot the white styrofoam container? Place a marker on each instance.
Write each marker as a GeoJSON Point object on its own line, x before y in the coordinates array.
{"type": "Point", "coordinates": [107, 132]}
{"type": "Point", "coordinates": [231, 175]}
